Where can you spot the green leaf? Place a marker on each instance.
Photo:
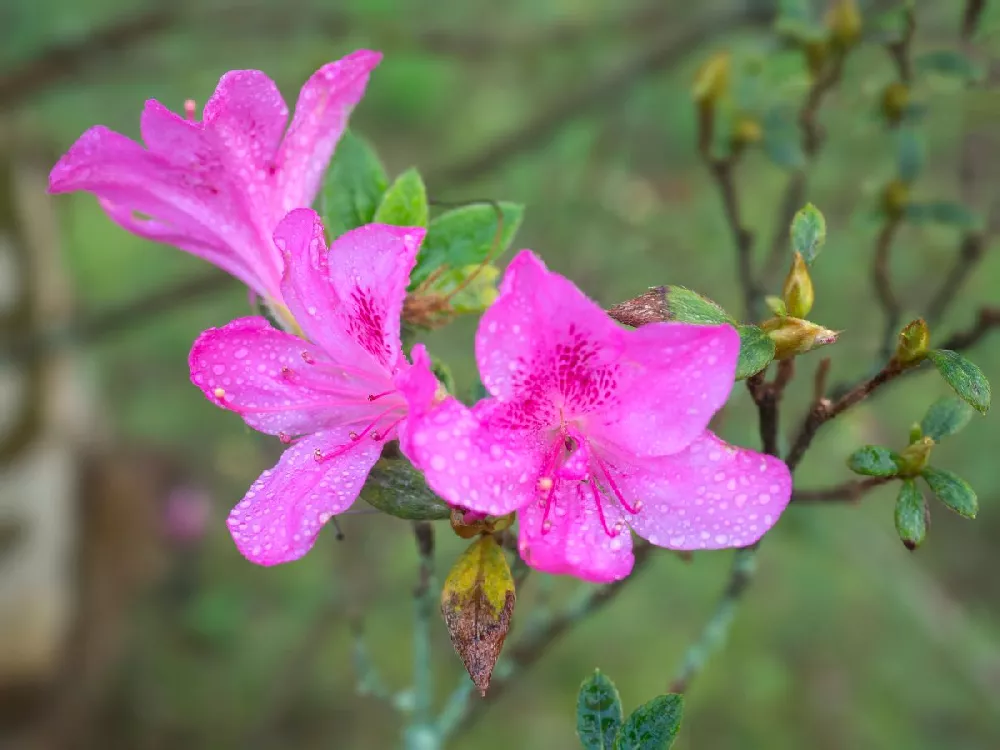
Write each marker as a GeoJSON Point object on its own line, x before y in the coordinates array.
{"type": "Point", "coordinates": [952, 490]}
{"type": "Point", "coordinates": [945, 417]}
{"type": "Point", "coordinates": [946, 62]}
{"type": "Point", "coordinates": [909, 154]}
{"type": "Point", "coordinates": [776, 305]}
{"type": "Point", "coordinates": [808, 232]}
{"type": "Point", "coordinates": [964, 377]}
{"type": "Point", "coordinates": [652, 726]}
{"type": "Point", "coordinates": [874, 461]}
{"type": "Point", "coordinates": [405, 202]}
{"type": "Point", "coordinates": [756, 351]}
{"type": "Point", "coordinates": [686, 306]}
{"type": "Point", "coordinates": [945, 213]}
{"type": "Point", "coordinates": [396, 488]}
{"type": "Point", "coordinates": [353, 186]}
{"type": "Point", "coordinates": [911, 515]}
{"type": "Point", "coordinates": [598, 712]}
{"type": "Point", "coordinates": [467, 296]}
{"type": "Point", "coordinates": [465, 237]}
{"type": "Point", "coordinates": [782, 143]}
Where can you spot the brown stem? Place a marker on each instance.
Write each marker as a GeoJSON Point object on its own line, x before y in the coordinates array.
{"type": "Point", "coordinates": [722, 172]}
{"type": "Point", "coordinates": [971, 251]}
{"type": "Point", "coordinates": [849, 491]}
{"type": "Point", "coordinates": [987, 319]}
{"type": "Point", "coordinates": [823, 411]}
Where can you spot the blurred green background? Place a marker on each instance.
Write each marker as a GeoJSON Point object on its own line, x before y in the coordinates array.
{"type": "Point", "coordinates": [846, 639]}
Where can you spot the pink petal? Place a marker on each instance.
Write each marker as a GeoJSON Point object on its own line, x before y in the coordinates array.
{"type": "Point", "coordinates": [247, 117]}
{"type": "Point", "coordinates": [462, 460]}
{"type": "Point", "coordinates": [575, 542]}
{"type": "Point", "coordinates": [418, 383]}
{"type": "Point", "coordinates": [352, 295]}
{"type": "Point", "coordinates": [674, 377]}
{"type": "Point", "coordinates": [545, 344]}
{"type": "Point", "coordinates": [710, 496]}
{"type": "Point", "coordinates": [321, 114]}
{"type": "Point", "coordinates": [281, 515]}
{"type": "Point", "coordinates": [270, 378]}
{"type": "Point", "coordinates": [190, 203]}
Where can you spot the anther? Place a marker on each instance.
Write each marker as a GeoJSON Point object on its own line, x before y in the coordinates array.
{"type": "Point", "coordinates": [287, 372]}
{"type": "Point", "coordinates": [376, 436]}
{"type": "Point", "coordinates": [545, 484]}
{"type": "Point", "coordinates": [219, 393]}
{"type": "Point", "coordinates": [318, 455]}
{"type": "Point", "coordinates": [189, 109]}
{"type": "Point", "coordinates": [284, 437]}
{"type": "Point", "coordinates": [546, 526]}
{"type": "Point", "coordinates": [308, 358]}
{"type": "Point", "coordinates": [352, 435]}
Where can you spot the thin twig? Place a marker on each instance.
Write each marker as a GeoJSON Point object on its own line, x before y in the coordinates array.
{"type": "Point", "coordinates": [849, 491]}
{"type": "Point", "coordinates": [971, 250]}
{"type": "Point", "coordinates": [716, 630]}
{"type": "Point", "coordinates": [423, 595]}
{"type": "Point", "coordinates": [722, 172]}
{"type": "Point", "coordinates": [823, 411]}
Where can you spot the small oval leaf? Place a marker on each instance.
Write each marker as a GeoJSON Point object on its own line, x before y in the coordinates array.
{"type": "Point", "coordinates": [808, 232]}
{"type": "Point", "coordinates": [911, 515]}
{"type": "Point", "coordinates": [652, 726]}
{"type": "Point", "coordinates": [874, 461]}
{"type": "Point", "coordinates": [756, 351]}
{"type": "Point", "coordinates": [396, 488]}
{"type": "Point", "coordinates": [598, 712]}
{"type": "Point", "coordinates": [945, 417]}
{"type": "Point", "coordinates": [405, 202]}
{"type": "Point", "coordinates": [952, 490]}
{"type": "Point", "coordinates": [964, 377]}
{"type": "Point", "coordinates": [477, 602]}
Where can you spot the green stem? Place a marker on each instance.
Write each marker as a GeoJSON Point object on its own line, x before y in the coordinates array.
{"type": "Point", "coordinates": [421, 734]}
{"type": "Point", "coordinates": [716, 631]}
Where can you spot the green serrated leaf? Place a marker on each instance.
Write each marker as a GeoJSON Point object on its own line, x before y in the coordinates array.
{"type": "Point", "coordinates": [353, 186]}
{"type": "Point", "coordinates": [686, 306]}
{"type": "Point", "coordinates": [967, 380]}
{"type": "Point", "coordinates": [652, 726]}
{"type": "Point", "coordinates": [909, 154]}
{"type": "Point", "coordinates": [911, 514]}
{"type": "Point", "coordinates": [404, 204]}
{"type": "Point", "coordinates": [598, 712]}
{"type": "Point", "coordinates": [952, 490]}
{"type": "Point", "coordinates": [946, 62]}
{"type": "Point", "coordinates": [808, 232]}
{"type": "Point", "coordinates": [465, 237]}
{"type": "Point", "coordinates": [945, 417]}
{"type": "Point", "coordinates": [874, 461]}
{"type": "Point", "coordinates": [756, 351]}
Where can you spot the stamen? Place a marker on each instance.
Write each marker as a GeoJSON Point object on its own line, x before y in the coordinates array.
{"type": "Point", "coordinates": [600, 509]}
{"type": "Point", "coordinates": [377, 396]}
{"type": "Point", "coordinates": [219, 393]}
{"type": "Point", "coordinates": [190, 108]}
{"type": "Point", "coordinates": [614, 488]}
{"type": "Point", "coordinates": [308, 358]}
{"type": "Point", "coordinates": [352, 435]}
{"type": "Point", "coordinates": [284, 437]}
{"type": "Point", "coordinates": [384, 434]}
{"type": "Point", "coordinates": [355, 437]}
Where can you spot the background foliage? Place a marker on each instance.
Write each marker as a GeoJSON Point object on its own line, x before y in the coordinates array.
{"type": "Point", "coordinates": [581, 110]}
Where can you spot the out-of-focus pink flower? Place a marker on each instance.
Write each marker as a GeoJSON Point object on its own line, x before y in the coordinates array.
{"type": "Point", "coordinates": [591, 429]}
{"type": "Point", "coordinates": [334, 398]}
{"type": "Point", "coordinates": [186, 514]}
{"type": "Point", "coordinates": [218, 188]}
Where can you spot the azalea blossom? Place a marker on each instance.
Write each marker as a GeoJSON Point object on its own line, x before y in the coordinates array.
{"type": "Point", "coordinates": [334, 398]}
{"type": "Point", "coordinates": [590, 429]}
{"type": "Point", "coordinates": [218, 187]}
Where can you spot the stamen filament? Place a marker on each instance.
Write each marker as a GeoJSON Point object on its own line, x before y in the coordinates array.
{"type": "Point", "coordinates": [614, 488]}
{"type": "Point", "coordinates": [600, 508]}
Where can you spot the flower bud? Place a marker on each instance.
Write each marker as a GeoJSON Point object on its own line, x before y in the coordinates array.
{"type": "Point", "coordinates": [895, 99]}
{"type": "Point", "coordinates": [895, 198]}
{"type": "Point", "coordinates": [915, 433]}
{"type": "Point", "coordinates": [712, 79]}
{"type": "Point", "coordinates": [914, 342]}
{"type": "Point", "coordinates": [915, 457]}
{"type": "Point", "coordinates": [794, 336]}
{"type": "Point", "coordinates": [747, 131]}
{"type": "Point", "coordinates": [844, 21]}
{"type": "Point", "coordinates": [798, 288]}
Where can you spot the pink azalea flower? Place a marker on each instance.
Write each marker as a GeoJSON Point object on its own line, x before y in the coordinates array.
{"type": "Point", "coordinates": [218, 188]}
{"type": "Point", "coordinates": [334, 397]}
{"type": "Point", "coordinates": [591, 429]}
